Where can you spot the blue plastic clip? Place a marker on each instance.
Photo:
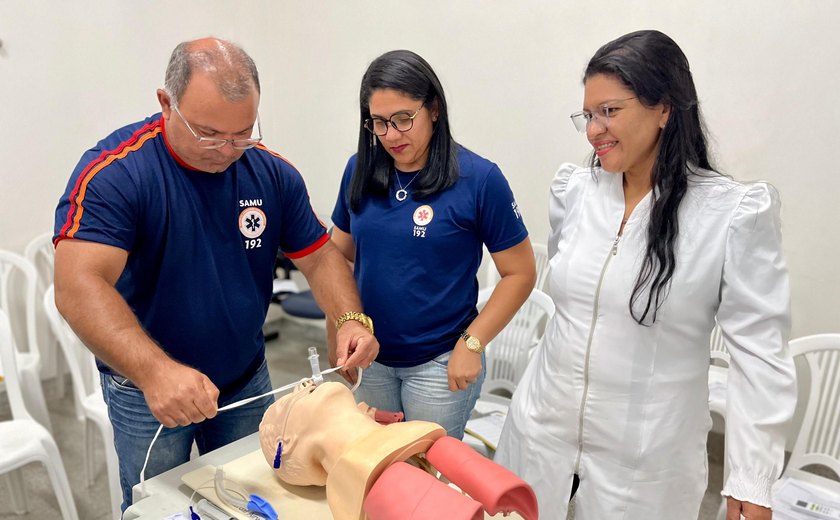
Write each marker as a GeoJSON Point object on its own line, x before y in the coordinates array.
{"type": "Point", "coordinates": [278, 456]}
{"type": "Point", "coordinates": [259, 505]}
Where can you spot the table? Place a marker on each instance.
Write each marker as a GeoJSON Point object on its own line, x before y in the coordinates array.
{"type": "Point", "coordinates": [166, 494]}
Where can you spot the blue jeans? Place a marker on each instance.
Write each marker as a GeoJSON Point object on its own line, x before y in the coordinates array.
{"type": "Point", "coordinates": [421, 393]}
{"type": "Point", "coordinates": [135, 426]}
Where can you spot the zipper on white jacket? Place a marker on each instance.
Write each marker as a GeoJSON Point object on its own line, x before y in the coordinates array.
{"type": "Point", "coordinates": [595, 307]}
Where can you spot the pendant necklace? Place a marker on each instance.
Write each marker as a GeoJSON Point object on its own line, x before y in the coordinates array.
{"type": "Point", "coordinates": [402, 193]}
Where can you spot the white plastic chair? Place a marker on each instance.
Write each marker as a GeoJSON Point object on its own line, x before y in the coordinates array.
{"type": "Point", "coordinates": [295, 302]}
{"type": "Point", "coordinates": [718, 373]}
{"type": "Point", "coordinates": [40, 252]}
{"type": "Point", "coordinates": [718, 377]}
{"type": "Point", "coordinates": [507, 355]}
{"type": "Point", "coordinates": [23, 440]}
{"type": "Point", "coordinates": [540, 256]}
{"type": "Point", "coordinates": [717, 350]}
{"type": "Point", "coordinates": [18, 284]}
{"type": "Point", "coordinates": [484, 427]}
{"type": "Point", "coordinates": [818, 438]}
{"type": "Point", "coordinates": [90, 406]}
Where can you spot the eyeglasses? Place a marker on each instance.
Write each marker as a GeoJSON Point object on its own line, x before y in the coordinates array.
{"type": "Point", "coordinates": [209, 143]}
{"type": "Point", "coordinates": [401, 121]}
{"type": "Point", "coordinates": [602, 114]}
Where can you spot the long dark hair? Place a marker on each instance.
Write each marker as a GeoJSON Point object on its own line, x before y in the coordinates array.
{"type": "Point", "coordinates": [408, 73]}
{"type": "Point", "coordinates": [654, 67]}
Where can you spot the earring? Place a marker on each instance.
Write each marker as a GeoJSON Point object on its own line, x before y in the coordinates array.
{"type": "Point", "coordinates": [373, 140]}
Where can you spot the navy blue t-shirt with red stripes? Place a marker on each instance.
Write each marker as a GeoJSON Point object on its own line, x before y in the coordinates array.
{"type": "Point", "coordinates": [201, 246]}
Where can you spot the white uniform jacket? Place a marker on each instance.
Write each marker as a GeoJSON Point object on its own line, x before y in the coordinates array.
{"type": "Point", "coordinates": [625, 406]}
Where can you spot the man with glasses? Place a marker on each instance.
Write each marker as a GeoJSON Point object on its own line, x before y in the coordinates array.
{"type": "Point", "coordinates": [166, 239]}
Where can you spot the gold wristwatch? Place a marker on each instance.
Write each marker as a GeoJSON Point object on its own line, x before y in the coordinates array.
{"type": "Point", "coordinates": [473, 344]}
{"type": "Point", "coordinates": [361, 317]}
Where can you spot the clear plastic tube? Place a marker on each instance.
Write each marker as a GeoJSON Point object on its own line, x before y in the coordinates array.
{"type": "Point", "coordinates": [239, 502]}
{"type": "Point", "coordinates": [208, 510]}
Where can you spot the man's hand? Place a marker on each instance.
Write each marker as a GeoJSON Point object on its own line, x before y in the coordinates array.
{"type": "Point", "coordinates": [178, 395]}
{"type": "Point", "coordinates": [464, 367]}
{"type": "Point", "coordinates": [332, 351]}
{"type": "Point", "coordinates": [736, 508]}
{"type": "Point", "coordinates": [355, 347]}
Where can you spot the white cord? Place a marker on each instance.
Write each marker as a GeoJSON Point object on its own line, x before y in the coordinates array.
{"type": "Point", "coordinates": [242, 403]}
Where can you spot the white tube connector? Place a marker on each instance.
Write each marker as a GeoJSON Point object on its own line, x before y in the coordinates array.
{"type": "Point", "coordinates": [317, 378]}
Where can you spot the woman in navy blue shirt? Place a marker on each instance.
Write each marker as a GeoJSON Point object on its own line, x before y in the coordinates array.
{"type": "Point", "coordinates": [413, 212]}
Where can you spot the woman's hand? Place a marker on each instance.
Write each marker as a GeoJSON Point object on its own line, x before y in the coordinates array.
{"type": "Point", "coordinates": [464, 367]}
{"type": "Point", "coordinates": [735, 509]}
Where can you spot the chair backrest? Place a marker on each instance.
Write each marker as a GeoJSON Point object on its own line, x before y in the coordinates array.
{"type": "Point", "coordinates": [40, 252]}
{"type": "Point", "coordinates": [818, 440]}
{"type": "Point", "coordinates": [12, 266]}
{"type": "Point", "coordinates": [12, 380]}
{"type": "Point", "coordinates": [541, 257]}
{"type": "Point", "coordinates": [491, 277]}
{"type": "Point", "coordinates": [80, 360]}
{"type": "Point", "coordinates": [297, 305]}
{"type": "Point", "coordinates": [717, 350]}
{"type": "Point", "coordinates": [507, 355]}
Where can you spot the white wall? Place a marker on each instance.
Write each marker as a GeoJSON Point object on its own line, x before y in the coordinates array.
{"type": "Point", "coordinates": [766, 70]}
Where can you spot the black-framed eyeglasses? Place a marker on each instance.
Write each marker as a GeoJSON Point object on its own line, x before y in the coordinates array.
{"type": "Point", "coordinates": [401, 121]}
{"type": "Point", "coordinates": [602, 115]}
{"type": "Point", "coordinates": [210, 143]}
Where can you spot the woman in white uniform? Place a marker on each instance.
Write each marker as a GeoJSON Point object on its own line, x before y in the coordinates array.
{"type": "Point", "coordinates": [648, 246]}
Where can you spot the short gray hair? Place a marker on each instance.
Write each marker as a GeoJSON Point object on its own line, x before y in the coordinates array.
{"type": "Point", "coordinates": [235, 71]}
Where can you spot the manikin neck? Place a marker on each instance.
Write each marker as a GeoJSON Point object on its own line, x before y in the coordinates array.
{"type": "Point", "coordinates": [355, 425]}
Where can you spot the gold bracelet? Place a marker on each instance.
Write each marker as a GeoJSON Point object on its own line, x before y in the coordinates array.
{"type": "Point", "coordinates": [361, 317]}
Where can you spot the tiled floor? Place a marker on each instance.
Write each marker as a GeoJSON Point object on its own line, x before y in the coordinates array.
{"type": "Point", "coordinates": [287, 359]}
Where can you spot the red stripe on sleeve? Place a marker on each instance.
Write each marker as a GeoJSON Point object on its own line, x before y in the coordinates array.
{"type": "Point", "coordinates": [261, 146]}
{"type": "Point", "coordinates": [311, 249]}
{"type": "Point", "coordinates": [74, 201]}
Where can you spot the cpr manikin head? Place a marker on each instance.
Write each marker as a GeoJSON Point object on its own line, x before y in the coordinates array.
{"type": "Point", "coordinates": [303, 422]}
{"type": "Point", "coordinates": [317, 435]}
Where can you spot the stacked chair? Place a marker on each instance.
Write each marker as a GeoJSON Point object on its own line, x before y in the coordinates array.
{"type": "Point", "coordinates": [506, 357]}
{"type": "Point", "coordinates": [40, 252]}
{"type": "Point", "coordinates": [90, 407]}
{"type": "Point", "coordinates": [18, 289]}
{"type": "Point", "coordinates": [23, 440]}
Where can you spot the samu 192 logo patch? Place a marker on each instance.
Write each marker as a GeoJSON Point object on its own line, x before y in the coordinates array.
{"type": "Point", "coordinates": [423, 215]}
{"type": "Point", "coordinates": [422, 218]}
{"type": "Point", "coordinates": [252, 224]}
